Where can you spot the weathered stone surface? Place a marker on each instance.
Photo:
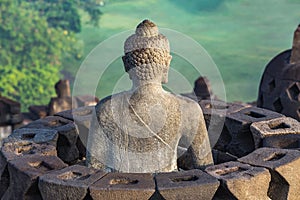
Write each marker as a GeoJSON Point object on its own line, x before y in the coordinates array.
{"type": "Point", "coordinates": [202, 88]}
{"type": "Point", "coordinates": [241, 181]}
{"type": "Point", "coordinates": [4, 115]}
{"type": "Point", "coordinates": [4, 180]}
{"type": "Point", "coordinates": [60, 104]}
{"type": "Point", "coordinates": [10, 112]}
{"type": "Point", "coordinates": [16, 119]}
{"type": "Point", "coordinates": [14, 149]}
{"type": "Point", "coordinates": [68, 135]}
{"type": "Point", "coordinates": [238, 125]}
{"type": "Point", "coordinates": [278, 133]}
{"type": "Point", "coordinates": [82, 117]}
{"type": "Point", "coordinates": [86, 100]}
{"type": "Point", "coordinates": [67, 114]}
{"type": "Point", "coordinates": [69, 183]}
{"type": "Point", "coordinates": [39, 111]}
{"type": "Point", "coordinates": [24, 173]}
{"type": "Point", "coordinates": [215, 112]}
{"type": "Point", "coordinates": [222, 157]}
{"type": "Point", "coordinates": [284, 168]}
{"type": "Point", "coordinates": [4, 174]}
{"type": "Point", "coordinates": [63, 101]}
{"type": "Point", "coordinates": [191, 184]}
{"type": "Point", "coordinates": [67, 144]}
{"type": "Point", "coordinates": [295, 56]}
{"type": "Point", "coordinates": [5, 131]}
{"type": "Point", "coordinates": [279, 89]}
{"type": "Point", "coordinates": [36, 135]}
{"type": "Point", "coordinates": [62, 88]}
{"type": "Point", "coordinates": [13, 106]}
{"type": "Point", "coordinates": [50, 122]}
{"type": "Point", "coordinates": [138, 131]}
{"type": "Point", "coordinates": [123, 186]}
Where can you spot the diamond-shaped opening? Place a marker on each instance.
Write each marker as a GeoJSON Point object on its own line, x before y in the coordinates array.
{"type": "Point", "coordinates": [278, 106]}
{"type": "Point", "coordinates": [294, 92]}
{"type": "Point", "coordinates": [272, 85]}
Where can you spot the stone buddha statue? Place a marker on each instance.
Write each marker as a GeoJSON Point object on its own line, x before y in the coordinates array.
{"type": "Point", "coordinates": [146, 129]}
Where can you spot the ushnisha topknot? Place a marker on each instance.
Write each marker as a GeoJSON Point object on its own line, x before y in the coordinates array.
{"type": "Point", "coordinates": [146, 36]}
{"type": "Point", "coordinates": [146, 29]}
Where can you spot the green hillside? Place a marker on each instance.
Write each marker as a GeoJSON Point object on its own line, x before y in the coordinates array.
{"type": "Point", "coordinates": [240, 35]}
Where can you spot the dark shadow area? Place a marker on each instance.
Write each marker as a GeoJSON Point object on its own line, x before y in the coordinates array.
{"type": "Point", "coordinates": [279, 187]}
{"type": "Point", "coordinates": [198, 5]}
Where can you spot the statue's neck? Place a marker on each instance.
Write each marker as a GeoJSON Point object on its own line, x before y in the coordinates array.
{"type": "Point", "coordinates": [147, 87]}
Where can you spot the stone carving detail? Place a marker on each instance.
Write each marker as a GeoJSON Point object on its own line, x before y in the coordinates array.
{"type": "Point", "coordinates": [31, 166]}
{"type": "Point", "coordinates": [280, 85]}
{"type": "Point", "coordinates": [139, 130]}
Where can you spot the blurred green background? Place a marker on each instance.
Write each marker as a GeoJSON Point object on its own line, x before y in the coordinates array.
{"type": "Point", "coordinates": [240, 35]}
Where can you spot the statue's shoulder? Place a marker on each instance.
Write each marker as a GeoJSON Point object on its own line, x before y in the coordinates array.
{"type": "Point", "coordinates": [108, 102]}
{"type": "Point", "coordinates": [189, 107]}
{"type": "Point", "coordinates": [185, 101]}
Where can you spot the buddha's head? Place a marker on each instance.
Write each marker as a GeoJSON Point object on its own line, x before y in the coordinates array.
{"type": "Point", "coordinates": [147, 54]}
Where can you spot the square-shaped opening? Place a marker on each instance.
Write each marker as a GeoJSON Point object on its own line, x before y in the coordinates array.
{"type": "Point", "coordinates": [123, 181]}
{"type": "Point", "coordinates": [275, 157]}
{"type": "Point", "coordinates": [185, 178]}
{"type": "Point", "coordinates": [28, 136]}
{"type": "Point", "coordinates": [281, 125]}
{"type": "Point", "coordinates": [255, 114]}
{"type": "Point", "coordinates": [228, 170]}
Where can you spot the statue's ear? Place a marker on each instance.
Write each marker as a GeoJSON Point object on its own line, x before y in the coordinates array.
{"type": "Point", "coordinates": [125, 64]}
{"type": "Point", "coordinates": [168, 61]}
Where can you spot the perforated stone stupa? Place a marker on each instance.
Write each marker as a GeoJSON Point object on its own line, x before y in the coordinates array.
{"type": "Point", "coordinates": [279, 89]}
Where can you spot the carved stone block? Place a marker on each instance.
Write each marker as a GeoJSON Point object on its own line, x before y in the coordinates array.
{"type": "Point", "coordinates": [278, 133]}
{"type": "Point", "coordinates": [24, 173]}
{"type": "Point", "coordinates": [13, 149]}
{"type": "Point", "coordinates": [214, 113]}
{"type": "Point", "coordinates": [60, 104]}
{"type": "Point", "coordinates": [192, 184]}
{"type": "Point", "coordinates": [36, 135]}
{"type": "Point", "coordinates": [69, 183]}
{"type": "Point", "coordinates": [13, 106]}
{"type": "Point", "coordinates": [67, 114]}
{"type": "Point", "coordinates": [86, 100]}
{"type": "Point", "coordinates": [284, 168]}
{"type": "Point", "coordinates": [67, 140]}
{"type": "Point", "coordinates": [39, 111]}
{"type": "Point", "coordinates": [241, 181]}
{"type": "Point", "coordinates": [82, 117]}
{"type": "Point", "coordinates": [123, 186]}
{"type": "Point", "coordinates": [238, 125]}
{"type": "Point", "coordinates": [222, 157]}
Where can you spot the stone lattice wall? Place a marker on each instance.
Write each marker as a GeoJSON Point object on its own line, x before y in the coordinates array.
{"type": "Point", "coordinates": [253, 157]}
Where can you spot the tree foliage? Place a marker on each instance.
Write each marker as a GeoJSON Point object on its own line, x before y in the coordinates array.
{"type": "Point", "coordinates": [62, 14]}
{"type": "Point", "coordinates": [28, 86]}
{"type": "Point", "coordinates": [35, 35]}
{"type": "Point", "coordinates": [92, 8]}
